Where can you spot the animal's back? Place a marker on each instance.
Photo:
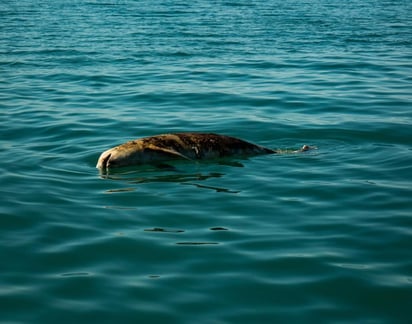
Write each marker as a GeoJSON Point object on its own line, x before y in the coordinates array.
{"type": "Point", "coordinates": [190, 146]}
{"type": "Point", "coordinates": [206, 145]}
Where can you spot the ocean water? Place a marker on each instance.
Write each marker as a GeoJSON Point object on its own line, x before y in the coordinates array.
{"type": "Point", "coordinates": [324, 236]}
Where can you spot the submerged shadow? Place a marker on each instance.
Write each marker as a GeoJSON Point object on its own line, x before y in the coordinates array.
{"type": "Point", "coordinates": [165, 173]}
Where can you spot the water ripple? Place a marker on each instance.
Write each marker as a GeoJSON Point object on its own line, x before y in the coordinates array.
{"type": "Point", "coordinates": [322, 236]}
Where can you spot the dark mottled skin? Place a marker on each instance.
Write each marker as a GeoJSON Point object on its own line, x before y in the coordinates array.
{"type": "Point", "coordinates": [190, 146]}
{"type": "Point", "coordinates": [199, 146]}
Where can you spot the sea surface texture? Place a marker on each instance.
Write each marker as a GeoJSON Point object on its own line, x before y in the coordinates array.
{"type": "Point", "coordinates": [323, 236]}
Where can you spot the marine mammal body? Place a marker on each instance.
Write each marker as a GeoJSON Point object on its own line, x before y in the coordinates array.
{"type": "Point", "coordinates": [188, 146]}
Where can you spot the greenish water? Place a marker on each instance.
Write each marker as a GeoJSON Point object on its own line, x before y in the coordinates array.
{"type": "Point", "coordinates": [319, 237]}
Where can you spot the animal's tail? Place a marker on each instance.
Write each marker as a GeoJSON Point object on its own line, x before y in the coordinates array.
{"type": "Point", "coordinates": [304, 148]}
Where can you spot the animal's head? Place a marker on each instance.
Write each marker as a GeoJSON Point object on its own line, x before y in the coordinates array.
{"type": "Point", "coordinates": [135, 153]}
{"type": "Point", "coordinates": [123, 155]}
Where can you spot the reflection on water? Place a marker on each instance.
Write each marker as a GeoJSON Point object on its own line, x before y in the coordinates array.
{"type": "Point", "coordinates": [217, 189]}
{"type": "Point", "coordinates": [151, 174]}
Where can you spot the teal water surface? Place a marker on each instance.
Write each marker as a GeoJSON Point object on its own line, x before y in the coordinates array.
{"type": "Point", "coordinates": [323, 236]}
